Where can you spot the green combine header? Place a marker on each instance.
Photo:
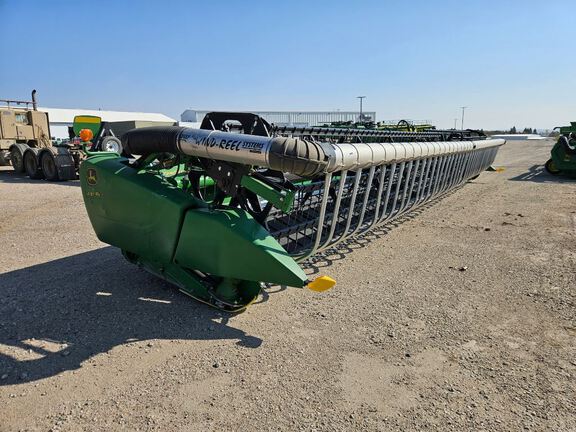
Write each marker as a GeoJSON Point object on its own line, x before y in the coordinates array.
{"type": "Point", "coordinates": [219, 214]}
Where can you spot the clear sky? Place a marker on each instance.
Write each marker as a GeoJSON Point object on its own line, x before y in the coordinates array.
{"type": "Point", "coordinates": [512, 62]}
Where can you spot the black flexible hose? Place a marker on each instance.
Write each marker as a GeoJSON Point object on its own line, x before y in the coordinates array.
{"type": "Point", "coordinates": [155, 139]}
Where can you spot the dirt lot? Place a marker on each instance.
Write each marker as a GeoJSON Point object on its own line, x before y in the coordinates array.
{"type": "Point", "coordinates": [460, 318]}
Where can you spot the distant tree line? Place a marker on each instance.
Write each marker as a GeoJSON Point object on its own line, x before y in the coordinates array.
{"type": "Point", "coordinates": [513, 130]}
{"type": "Point", "coordinates": [525, 131]}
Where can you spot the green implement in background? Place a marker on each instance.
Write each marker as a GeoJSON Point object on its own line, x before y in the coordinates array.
{"type": "Point", "coordinates": [93, 123]}
{"type": "Point", "coordinates": [563, 154]}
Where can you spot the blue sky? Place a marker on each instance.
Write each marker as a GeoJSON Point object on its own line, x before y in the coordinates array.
{"type": "Point", "coordinates": [512, 62]}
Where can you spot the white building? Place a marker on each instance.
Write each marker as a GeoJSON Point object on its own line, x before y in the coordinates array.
{"type": "Point", "coordinates": [60, 119]}
{"type": "Point", "coordinates": [288, 118]}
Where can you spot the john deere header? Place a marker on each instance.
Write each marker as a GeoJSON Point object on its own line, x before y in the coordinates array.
{"type": "Point", "coordinates": [220, 210]}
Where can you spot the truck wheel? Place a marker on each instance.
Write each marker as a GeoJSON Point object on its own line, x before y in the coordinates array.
{"type": "Point", "coordinates": [17, 159]}
{"type": "Point", "coordinates": [550, 166]}
{"type": "Point", "coordinates": [112, 144]}
{"type": "Point", "coordinates": [31, 165]}
{"type": "Point", "coordinates": [5, 158]}
{"type": "Point", "coordinates": [49, 167]}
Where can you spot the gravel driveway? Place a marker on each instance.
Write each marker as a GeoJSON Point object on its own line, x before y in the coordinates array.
{"type": "Point", "coordinates": [459, 317]}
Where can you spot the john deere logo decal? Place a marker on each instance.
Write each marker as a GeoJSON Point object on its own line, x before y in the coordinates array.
{"type": "Point", "coordinates": [91, 177]}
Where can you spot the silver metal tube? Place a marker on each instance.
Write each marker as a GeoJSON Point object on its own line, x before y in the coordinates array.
{"type": "Point", "coordinates": [335, 217]}
{"type": "Point", "coordinates": [321, 217]}
{"type": "Point", "coordinates": [385, 216]}
{"type": "Point", "coordinates": [447, 173]}
{"type": "Point", "coordinates": [306, 157]}
{"type": "Point", "coordinates": [366, 196]}
{"type": "Point", "coordinates": [239, 148]}
{"type": "Point", "coordinates": [413, 182]}
{"type": "Point", "coordinates": [429, 180]}
{"type": "Point", "coordinates": [350, 208]}
{"type": "Point", "coordinates": [406, 185]}
{"type": "Point", "coordinates": [383, 169]}
{"type": "Point", "coordinates": [435, 177]}
{"type": "Point", "coordinates": [423, 181]}
{"type": "Point", "coordinates": [458, 172]}
{"type": "Point", "coordinates": [393, 212]}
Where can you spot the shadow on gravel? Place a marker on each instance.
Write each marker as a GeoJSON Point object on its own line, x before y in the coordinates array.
{"type": "Point", "coordinates": [537, 174]}
{"type": "Point", "coordinates": [55, 316]}
{"type": "Point", "coordinates": [9, 176]}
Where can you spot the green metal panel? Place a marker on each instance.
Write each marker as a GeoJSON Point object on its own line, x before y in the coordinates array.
{"type": "Point", "coordinates": [282, 198]}
{"type": "Point", "coordinates": [564, 160]}
{"type": "Point", "coordinates": [158, 225]}
{"type": "Point", "coordinates": [230, 243]}
{"type": "Point", "coordinates": [565, 130]}
{"type": "Point", "coordinates": [136, 211]}
{"type": "Point", "coordinates": [94, 123]}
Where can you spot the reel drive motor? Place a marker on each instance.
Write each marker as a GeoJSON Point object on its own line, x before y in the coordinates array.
{"type": "Point", "coordinates": [217, 213]}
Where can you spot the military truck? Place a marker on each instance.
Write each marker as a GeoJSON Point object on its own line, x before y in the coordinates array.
{"type": "Point", "coordinates": [26, 145]}
{"type": "Point", "coordinates": [22, 127]}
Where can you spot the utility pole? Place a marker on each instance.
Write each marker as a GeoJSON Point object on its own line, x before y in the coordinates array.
{"type": "Point", "coordinates": [462, 125]}
{"type": "Point", "coordinates": [455, 120]}
{"type": "Point", "coordinates": [361, 97]}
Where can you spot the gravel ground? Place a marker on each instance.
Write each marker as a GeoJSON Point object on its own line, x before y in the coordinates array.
{"type": "Point", "coordinates": [460, 317]}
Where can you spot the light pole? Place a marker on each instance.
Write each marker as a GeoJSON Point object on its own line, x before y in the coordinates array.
{"type": "Point", "coordinates": [462, 124]}
{"type": "Point", "coordinates": [455, 120]}
{"type": "Point", "coordinates": [361, 97]}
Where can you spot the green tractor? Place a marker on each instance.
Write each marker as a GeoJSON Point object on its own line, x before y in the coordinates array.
{"type": "Point", "coordinates": [563, 160]}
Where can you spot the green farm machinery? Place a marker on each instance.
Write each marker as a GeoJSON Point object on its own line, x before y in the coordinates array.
{"type": "Point", "coordinates": [400, 125]}
{"type": "Point", "coordinates": [563, 154]}
{"type": "Point", "coordinates": [220, 214]}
